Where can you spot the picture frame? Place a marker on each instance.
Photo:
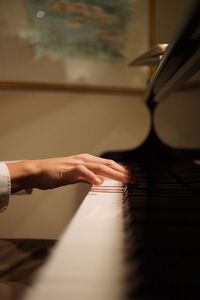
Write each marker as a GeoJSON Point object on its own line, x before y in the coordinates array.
{"type": "Point", "coordinates": [81, 46]}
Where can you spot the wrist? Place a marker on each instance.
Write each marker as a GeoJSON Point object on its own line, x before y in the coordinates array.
{"type": "Point", "coordinates": [23, 174]}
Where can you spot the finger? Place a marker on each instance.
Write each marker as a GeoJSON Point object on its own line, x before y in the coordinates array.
{"type": "Point", "coordinates": [103, 170]}
{"type": "Point", "coordinates": [82, 179]}
{"type": "Point", "coordinates": [120, 168]}
{"type": "Point", "coordinates": [124, 169]}
{"type": "Point", "coordinates": [108, 162]}
{"type": "Point", "coordinates": [82, 172]}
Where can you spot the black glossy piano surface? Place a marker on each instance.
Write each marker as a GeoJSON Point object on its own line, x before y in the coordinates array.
{"type": "Point", "coordinates": [162, 211]}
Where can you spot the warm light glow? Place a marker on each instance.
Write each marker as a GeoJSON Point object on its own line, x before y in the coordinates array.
{"type": "Point", "coordinates": [40, 14]}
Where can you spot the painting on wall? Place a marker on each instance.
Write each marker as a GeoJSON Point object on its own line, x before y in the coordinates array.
{"type": "Point", "coordinates": [74, 44]}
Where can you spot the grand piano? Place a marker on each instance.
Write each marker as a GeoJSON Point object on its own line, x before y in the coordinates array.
{"type": "Point", "coordinates": [138, 241]}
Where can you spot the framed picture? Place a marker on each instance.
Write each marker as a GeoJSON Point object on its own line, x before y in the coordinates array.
{"type": "Point", "coordinates": [75, 45]}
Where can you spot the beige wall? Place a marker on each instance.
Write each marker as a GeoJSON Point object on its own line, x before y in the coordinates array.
{"type": "Point", "coordinates": [177, 119]}
{"type": "Point", "coordinates": [45, 124]}
{"type": "Point", "coordinates": [169, 14]}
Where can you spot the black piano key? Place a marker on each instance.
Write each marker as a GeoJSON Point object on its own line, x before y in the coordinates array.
{"type": "Point", "coordinates": [162, 226]}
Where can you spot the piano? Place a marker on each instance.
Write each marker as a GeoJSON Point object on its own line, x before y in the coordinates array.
{"type": "Point", "coordinates": [138, 241]}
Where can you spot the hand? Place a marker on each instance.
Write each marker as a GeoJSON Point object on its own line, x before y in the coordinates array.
{"type": "Point", "coordinates": [54, 172]}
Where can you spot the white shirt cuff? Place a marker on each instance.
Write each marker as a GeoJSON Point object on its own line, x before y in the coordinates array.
{"type": "Point", "coordinates": [5, 186]}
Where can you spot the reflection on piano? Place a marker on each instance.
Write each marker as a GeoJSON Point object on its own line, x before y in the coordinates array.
{"type": "Point", "coordinates": [139, 241]}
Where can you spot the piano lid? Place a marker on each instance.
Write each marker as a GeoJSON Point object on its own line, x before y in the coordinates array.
{"type": "Point", "coordinates": [181, 59]}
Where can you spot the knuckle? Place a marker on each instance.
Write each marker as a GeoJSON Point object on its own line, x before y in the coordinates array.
{"type": "Point", "coordinates": [111, 162]}
{"type": "Point", "coordinates": [79, 161]}
{"type": "Point", "coordinates": [99, 168]}
{"type": "Point", "coordinates": [79, 168]}
{"type": "Point", "coordinates": [84, 156]}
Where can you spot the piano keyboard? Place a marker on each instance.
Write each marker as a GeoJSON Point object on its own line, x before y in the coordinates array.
{"type": "Point", "coordinates": [137, 242]}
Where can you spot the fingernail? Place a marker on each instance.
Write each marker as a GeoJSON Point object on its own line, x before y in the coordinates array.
{"type": "Point", "coordinates": [98, 180]}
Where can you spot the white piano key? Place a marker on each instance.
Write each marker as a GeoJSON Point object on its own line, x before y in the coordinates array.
{"type": "Point", "coordinates": [88, 262]}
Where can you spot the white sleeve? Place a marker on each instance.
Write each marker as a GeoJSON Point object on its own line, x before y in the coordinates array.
{"type": "Point", "coordinates": [5, 186]}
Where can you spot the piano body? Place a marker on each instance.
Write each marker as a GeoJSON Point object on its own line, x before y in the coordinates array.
{"type": "Point", "coordinates": [138, 241]}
